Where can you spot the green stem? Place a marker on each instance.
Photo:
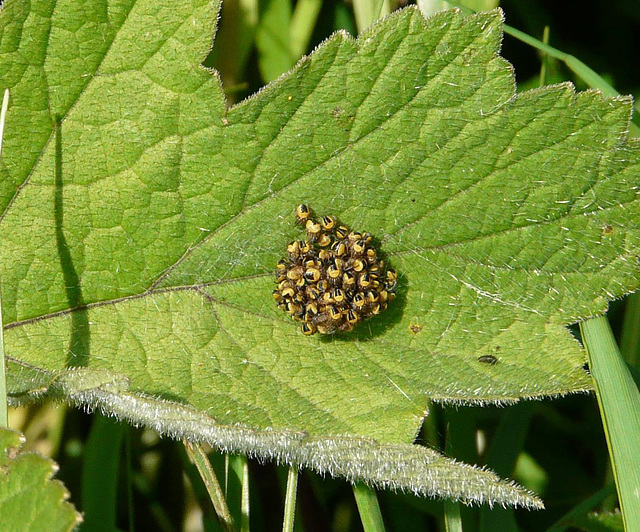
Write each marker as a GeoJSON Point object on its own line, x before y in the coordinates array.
{"type": "Point", "coordinates": [368, 507]}
{"type": "Point", "coordinates": [588, 75]}
{"type": "Point", "coordinates": [581, 509]}
{"type": "Point", "coordinates": [545, 58]}
{"type": "Point", "coordinates": [208, 476]}
{"type": "Point", "coordinates": [129, 475]}
{"type": "Point", "coordinates": [459, 443]}
{"type": "Point", "coordinates": [100, 468]}
{"type": "Point", "coordinates": [290, 500]}
{"type": "Point", "coordinates": [619, 401]}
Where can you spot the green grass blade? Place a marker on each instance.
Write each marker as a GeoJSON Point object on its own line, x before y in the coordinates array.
{"type": "Point", "coordinates": [585, 73]}
{"type": "Point", "coordinates": [460, 444]}
{"type": "Point", "coordinates": [481, 5]}
{"type": "Point", "coordinates": [629, 345]}
{"type": "Point", "coordinates": [509, 439]}
{"type": "Point", "coordinates": [619, 402]}
{"type": "Point", "coordinates": [503, 453]}
{"type": "Point", "coordinates": [588, 75]}
{"type": "Point", "coordinates": [368, 11]}
{"type": "Point", "coordinates": [368, 507]}
{"type": "Point", "coordinates": [303, 21]}
{"type": "Point", "coordinates": [583, 508]}
{"type": "Point", "coordinates": [237, 488]}
{"type": "Point", "coordinates": [544, 59]}
{"type": "Point", "coordinates": [452, 517]}
{"type": "Point", "coordinates": [129, 480]}
{"type": "Point", "coordinates": [100, 473]}
{"type": "Point", "coordinates": [290, 500]}
{"type": "Point", "coordinates": [273, 39]}
{"type": "Point", "coordinates": [4, 416]}
{"type": "Point", "coordinates": [201, 461]}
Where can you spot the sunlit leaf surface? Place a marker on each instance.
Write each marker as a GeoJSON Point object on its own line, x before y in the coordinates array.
{"type": "Point", "coordinates": [139, 239]}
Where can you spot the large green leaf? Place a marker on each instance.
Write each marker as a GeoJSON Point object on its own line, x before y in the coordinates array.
{"type": "Point", "coordinates": [29, 499]}
{"type": "Point", "coordinates": [139, 238]}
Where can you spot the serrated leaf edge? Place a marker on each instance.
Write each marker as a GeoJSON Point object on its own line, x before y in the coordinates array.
{"type": "Point", "coordinates": [14, 452]}
{"type": "Point", "coordinates": [399, 467]}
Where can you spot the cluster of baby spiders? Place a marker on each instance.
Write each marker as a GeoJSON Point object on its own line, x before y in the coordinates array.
{"type": "Point", "coordinates": [333, 279]}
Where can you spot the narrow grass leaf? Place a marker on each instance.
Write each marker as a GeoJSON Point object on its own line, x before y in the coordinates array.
{"type": "Point", "coordinates": [629, 345]}
{"type": "Point", "coordinates": [368, 508]}
{"type": "Point", "coordinates": [460, 443]}
{"type": "Point", "coordinates": [544, 62]}
{"type": "Point", "coordinates": [273, 39]}
{"type": "Point", "coordinates": [237, 490]}
{"type": "Point", "coordinates": [619, 401]}
{"type": "Point", "coordinates": [582, 509]}
{"type": "Point", "coordinates": [599, 522]}
{"type": "Point", "coordinates": [305, 16]}
{"type": "Point", "coordinates": [100, 469]}
{"type": "Point", "coordinates": [506, 445]}
{"type": "Point", "coordinates": [452, 516]}
{"type": "Point", "coordinates": [580, 69]}
{"type": "Point", "coordinates": [368, 11]}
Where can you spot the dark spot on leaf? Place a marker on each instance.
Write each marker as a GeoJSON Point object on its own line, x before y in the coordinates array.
{"type": "Point", "coordinates": [488, 359]}
{"type": "Point", "coordinates": [607, 230]}
{"type": "Point", "coordinates": [342, 117]}
{"type": "Point", "coordinates": [415, 329]}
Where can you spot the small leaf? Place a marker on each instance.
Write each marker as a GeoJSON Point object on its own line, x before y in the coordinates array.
{"type": "Point", "coordinates": [29, 499]}
{"type": "Point", "coordinates": [139, 238]}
